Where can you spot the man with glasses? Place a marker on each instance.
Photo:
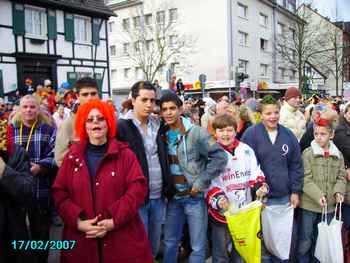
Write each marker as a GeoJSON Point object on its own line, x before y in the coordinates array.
{"type": "Point", "coordinates": [87, 89]}
{"type": "Point", "coordinates": [144, 134]}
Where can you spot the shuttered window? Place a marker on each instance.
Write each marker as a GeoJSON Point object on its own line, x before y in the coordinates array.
{"type": "Point", "coordinates": [35, 22]}
{"type": "Point", "coordinates": [96, 31]}
{"type": "Point", "coordinates": [51, 24]}
{"type": "Point", "coordinates": [69, 27]}
{"type": "Point", "coordinates": [82, 29]}
{"type": "Point", "coordinates": [18, 19]}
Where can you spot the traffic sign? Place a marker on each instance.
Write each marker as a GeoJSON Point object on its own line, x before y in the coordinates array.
{"type": "Point", "coordinates": [202, 78]}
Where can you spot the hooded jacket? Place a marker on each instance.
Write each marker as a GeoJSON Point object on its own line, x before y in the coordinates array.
{"type": "Point", "coordinates": [200, 157]}
{"type": "Point", "coordinates": [323, 176]}
{"type": "Point", "coordinates": [117, 191]}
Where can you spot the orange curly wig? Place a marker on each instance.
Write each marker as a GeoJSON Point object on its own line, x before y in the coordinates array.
{"type": "Point", "coordinates": [82, 114]}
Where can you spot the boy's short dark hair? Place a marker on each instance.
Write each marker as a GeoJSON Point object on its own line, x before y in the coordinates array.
{"type": "Point", "coordinates": [224, 120]}
{"type": "Point", "coordinates": [86, 82]}
{"type": "Point", "coordinates": [170, 97]}
{"type": "Point", "coordinates": [267, 100]}
{"type": "Point", "coordinates": [135, 89]}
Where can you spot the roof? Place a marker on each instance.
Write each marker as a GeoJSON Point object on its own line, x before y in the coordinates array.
{"type": "Point", "coordinates": [95, 8]}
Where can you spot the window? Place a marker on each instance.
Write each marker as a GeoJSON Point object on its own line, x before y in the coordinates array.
{"type": "Point", "coordinates": [126, 24]}
{"type": "Point", "coordinates": [172, 41]}
{"type": "Point", "coordinates": [174, 66]}
{"type": "Point", "coordinates": [149, 44]}
{"type": "Point", "coordinates": [282, 73]}
{"type": "Point", "coordinates": [81, 75]}
{"type": "Point", "coordinates": [280, 28]}
{"type": "Point", "coordinates": [293, 74]}
{"type": "Point", "coordinates": [263, 20]}
{"type": "Point", "coordinates": [113, 51]}
{"type": "Point", "coordinates": [263, 44]}
{"type": "Point", "coordinates": [243, 65]}
{"type": "Point", "coordinates": [137, 21]}
{"type": "Point", "coordinates": [148, 19]}
{"type": "Point", "coordinates": [114, 74]}
{"type": "Point", "coordinates": [127, 73]}
{"type": "Point", "coordinates": [138, 73]}
{"type": "Point", "coordinates": [243, 38]}
{"type": "Point", "coordinates": [36, 22]}
{"type": "Point", "coordinates": [161, 17]}
{"type": "Point", "coordinates": [82, 29]}
{"type": "Point", "coordinates": [111, 26]}
{"type": "Point", "coordinates": [292, 33]}
{"type": "Point", "coordinates": [161, 70]}
{"type": "Point", "coordinates": [172, 15]}
{"type": "Point", "coordinates": [292, 5]}
{"type": "Point", "coordinates": [242, 10]}
{"type": "Point", "coordinates": [293, 54]}
{"type": "Point", "coordinates": [137, 46]}
{"type": "Point", "coordinates": [126, 48]}
{"type": "Point", "coordinates": [263, 70]}
{"type": "Point", "coordinates": [282, 3]}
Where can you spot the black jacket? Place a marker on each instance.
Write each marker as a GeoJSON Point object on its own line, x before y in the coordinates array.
{"type": "Point", "coordinates": [342, 140]}
{"type": "Point", "coordinates": [15, 195]}
{"type": "Point", "coordinates": [128, 132]}
{"type": "Point", "coordinates": [308, 137]}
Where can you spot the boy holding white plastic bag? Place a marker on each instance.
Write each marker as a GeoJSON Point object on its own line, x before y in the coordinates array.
{"type": "Point", "coordinates": [324, 185]}
{"type": "Point", "coordinates": [232, 187]}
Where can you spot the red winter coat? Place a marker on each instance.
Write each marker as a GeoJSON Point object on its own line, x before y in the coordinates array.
{"type": "Point", "coordinates": [120, 189]}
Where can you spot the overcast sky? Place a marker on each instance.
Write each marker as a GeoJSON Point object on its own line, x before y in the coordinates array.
{"type": "Point", "coordinates": [336, 10]}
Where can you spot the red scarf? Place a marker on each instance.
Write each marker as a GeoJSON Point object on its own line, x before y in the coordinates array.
{"type": "Point", "coordinates": [231, 147]}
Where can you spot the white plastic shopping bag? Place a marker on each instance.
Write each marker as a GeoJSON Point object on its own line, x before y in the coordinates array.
{"type": "Point", "coordinates": [322, 251]}
{"type": "Point", "coordinates": [277, 227]}
{"type": "Point", "coordinates": [335, 239]}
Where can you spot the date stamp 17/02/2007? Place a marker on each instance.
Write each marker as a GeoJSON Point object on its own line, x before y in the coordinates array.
{"type": "Point", "coordinates": [43, 244]}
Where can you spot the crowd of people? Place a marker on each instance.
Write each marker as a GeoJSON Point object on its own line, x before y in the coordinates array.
{"type": "Point", "coordinates": [154, 179]}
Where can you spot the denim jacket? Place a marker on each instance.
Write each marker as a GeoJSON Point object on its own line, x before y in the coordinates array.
{"type": "Point", "coordinates": [200, 157]}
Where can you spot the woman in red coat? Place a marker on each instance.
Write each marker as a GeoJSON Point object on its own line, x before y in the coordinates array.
{"type": "Point", "coordinates": [98, 191]}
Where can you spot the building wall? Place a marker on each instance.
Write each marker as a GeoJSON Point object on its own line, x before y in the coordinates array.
{"type": "Point", "coordinates": [208, 21]}
{"type": "Point", "coordinates": [204, 20]}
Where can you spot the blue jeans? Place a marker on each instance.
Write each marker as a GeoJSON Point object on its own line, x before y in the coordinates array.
{"type": "Point", "coordinates": [223, 249]}
{"type": "Point", "coordinates": [307, 235]}
{"type": "Point", "coordinates": [266, 256]}
{"type": "Point", "coordinates": [194, 210]}
{"type": "Point", "coordinates": [152, 215]}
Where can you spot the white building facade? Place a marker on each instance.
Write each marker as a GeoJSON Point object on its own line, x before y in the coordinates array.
{"type": "Point", "coordinates": [231, 36]}
{"type": "Point", "coordinates": [61, 41]}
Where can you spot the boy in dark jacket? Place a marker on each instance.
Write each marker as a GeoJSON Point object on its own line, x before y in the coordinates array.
{"type": "Point", "coordinates": [278, 153]}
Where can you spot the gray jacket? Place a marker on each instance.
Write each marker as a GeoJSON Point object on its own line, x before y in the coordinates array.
{"type": "Point", "coordinates": [200, 157]}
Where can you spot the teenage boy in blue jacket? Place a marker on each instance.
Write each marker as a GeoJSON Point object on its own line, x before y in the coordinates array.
{"type": "Point", "coordinates": [195, 159]}
{"type": "Point", "coordinates": [278, 153]}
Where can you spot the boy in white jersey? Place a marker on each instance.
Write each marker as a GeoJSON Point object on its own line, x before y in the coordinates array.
{"type": "Point", "coordinates": [233, 186]}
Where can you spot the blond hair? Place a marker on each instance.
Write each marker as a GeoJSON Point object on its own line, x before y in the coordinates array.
{"type": "Point", "coordinates": [42, 117]}
{"type": "Point", "coordinates": [246, 114]}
